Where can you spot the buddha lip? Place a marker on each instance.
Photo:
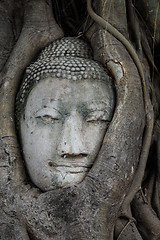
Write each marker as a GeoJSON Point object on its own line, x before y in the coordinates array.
{"type": "Point", "coordinates": [70, 165]}
{"type": "Point", "coordinates": [72, 170]}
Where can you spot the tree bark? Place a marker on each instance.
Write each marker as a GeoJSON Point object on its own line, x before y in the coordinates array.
{"type": "Point", "coordinates": [94, 208]}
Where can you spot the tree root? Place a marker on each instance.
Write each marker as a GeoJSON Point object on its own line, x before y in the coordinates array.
{"type": "Point", "coordinates": [126, 229]}
{"type": "Point", "coordinates": [147, 105]}
{"type": "Point", "coordinates": [147, 220]}
{"type": "Point", "coordinates": [39, 29]}
{"type": "Point", "coordinates": [123, 230]}
{"type": "Point", "coordinates": [6, 31]}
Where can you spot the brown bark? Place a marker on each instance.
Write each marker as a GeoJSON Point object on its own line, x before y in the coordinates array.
{"type": "Point", "coordinates": [106, 185]}
{"type": "Point", "coordinates": [38, 31]}
{"type": "Point", "coordinates": [93, 208]}
{"type": "Point", "coordinates": [6, 33]}
{"type": "Point", "coordinates": [147, 220]}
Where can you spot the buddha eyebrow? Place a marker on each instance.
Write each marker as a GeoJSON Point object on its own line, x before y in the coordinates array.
{"type": "Point", "coordinates": [104, 111]}
{"type": "Point", "coordinates": [99, 104]}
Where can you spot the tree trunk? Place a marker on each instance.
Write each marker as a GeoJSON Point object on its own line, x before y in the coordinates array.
{"type": "Point", "coordinates": [116, 200]}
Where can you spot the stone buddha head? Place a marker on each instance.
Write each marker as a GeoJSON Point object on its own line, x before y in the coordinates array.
{"type": "Point", "coordinates": [63, 110]}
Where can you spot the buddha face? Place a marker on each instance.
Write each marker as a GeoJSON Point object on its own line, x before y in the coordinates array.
{"type": "Point", "coordinates": [62, 130]}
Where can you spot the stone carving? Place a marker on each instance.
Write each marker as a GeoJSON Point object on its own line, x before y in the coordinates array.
{"type": "Point", "coordinates": [63, 109]}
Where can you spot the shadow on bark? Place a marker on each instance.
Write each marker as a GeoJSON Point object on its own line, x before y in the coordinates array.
{"type": "Point", "coordinates": [91, 209]}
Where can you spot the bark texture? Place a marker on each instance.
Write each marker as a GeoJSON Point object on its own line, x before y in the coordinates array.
{"type": "Point", "coordinates": [102, 206]}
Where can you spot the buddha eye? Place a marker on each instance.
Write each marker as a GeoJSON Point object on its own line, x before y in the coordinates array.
{"type": "Point", "coordinates": [97, 116]}
{"type": "Point", "coordinates": [48, 116]}
{"type": "Point", "coordinates": [94, 120]}
{"type": "Point", "coordinates": [47, 119]}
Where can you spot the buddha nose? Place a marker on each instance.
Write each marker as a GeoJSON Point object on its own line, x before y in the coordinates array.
{"type": "Point", "coordinates": [71, 141]}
